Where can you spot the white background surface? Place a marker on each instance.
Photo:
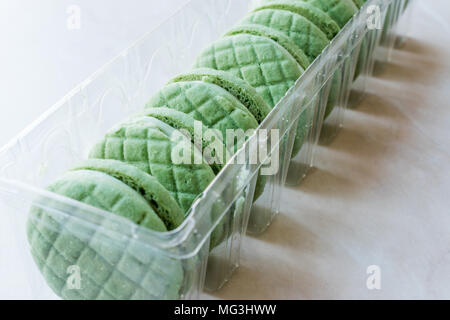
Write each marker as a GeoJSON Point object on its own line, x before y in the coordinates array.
{"type": "Point", "coordinates": [42, 59]}
{"type": "Point", "coordinates": [380, 194]}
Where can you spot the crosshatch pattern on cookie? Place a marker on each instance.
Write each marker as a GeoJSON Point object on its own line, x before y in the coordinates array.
{"type": "Point", "coordinates": [265, 65]}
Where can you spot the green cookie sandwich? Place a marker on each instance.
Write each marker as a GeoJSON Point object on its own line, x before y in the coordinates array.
{"type": "Point", "coordinates": [237, 87]}
{"type": "Point", "coordinates": [215, 107]}
{"type": "Point", "coordinates": [208, 103]}
{"type": "Point", "coordinates": [170, 158]}
{"type": "Point", "coordinates": [215, 153]}
{"type": "Point", "coordinates": [275, 35]}
{"type": "Point", "coordinates": [340, 11]}
{"type": "Point", "coordinates": [210, 142]}
{"type": "Point", "coordinates": [310, 12]}
{"type": "Point", "coordinates": [109, 269]}
{"type": "Point", "coordinates": [305, 34]}
{"type": "Point", "coordinates": [260, 61]}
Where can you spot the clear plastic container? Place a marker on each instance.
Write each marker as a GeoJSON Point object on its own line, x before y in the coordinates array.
{"type": "Point", "coordinates": [404, 24]}
{"type": "Point", "coordinates": [345, 86]}
{"type": "Point", "coordinates": [388, 34]}
{"type": "Point", "coordinates": [61, 138]}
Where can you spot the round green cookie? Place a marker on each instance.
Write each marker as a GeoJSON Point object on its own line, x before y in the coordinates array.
{"type": "Point", "coordinates": [168, 156]}
{"type": "Point", "coordinates": [237, 87]}
{"type": "Point", "coordinates": [305, 34]}
{"type": "Point", "coordinates": [213, 106]}
{"type": "Point", "coordinates": [203, 138]}
{"type": "Point", "coordinates": [208, 103]}
{"type": "Point", "coordinates": [147, 186]}
{"type": "Point", "coordinates": [340, 11]}
{"type": "Point", "coordinates": [312, 13]}
{"type": "Point", "coordinates": [260, 61]}
{"type": "Point", "coordinates": [110, 266]}
{"type": "Point", "coordinates": [305, 121]}
{"type": "Point", "coordinates": [214, 152]}
{"type": "Point", "coordinates": [275, 35]}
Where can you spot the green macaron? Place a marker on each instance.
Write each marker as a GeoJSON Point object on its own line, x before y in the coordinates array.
{"type": "Point", "coordinates": [156, 195]}
{"type": "Point", "coordinates": [208, 103]}
{"type": "Point", "coordinates": [306, 118]}
{"type": "Point", "coordinates": [214, 153]}
{"type": "Point", "coordinates": [305, 34]}
{"type": "Point", "coordinates": [275, 35]}
{"type": "Point", "coordinates": [109, 266]}
{"type": "Point", "coordinates": [312, 13]}
{"type": "Point", "coordinates": [214, 107]}
{"type": "Point", "coordinates": [237, 87]}
{"type": "Point", "coordinates": [168, 156]}
{"type": "Point", "coordinates": [340, 11]}
{"type": "Point", "coordinates": [209, 141]}
{"type": "Point", "coordinates": [260, 61]}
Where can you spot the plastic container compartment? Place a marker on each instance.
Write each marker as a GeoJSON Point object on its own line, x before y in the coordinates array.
{"type": "Point", "coordinates": [369, 44]}
{"type": "Point", "coordinates": [336, 85]}
{"type": "Point", "coordinates": [353, 86]}
{"type": "Point", "coordinates": [394, 33]}
{"type": "Point", "coordinates": [389, 34]}
{"type": "Point", "coordinates": [404, 24]}
{"type": "Point", "coordinates": [343, 87]}
{"type": "Point", "coordinates": [63, 136]}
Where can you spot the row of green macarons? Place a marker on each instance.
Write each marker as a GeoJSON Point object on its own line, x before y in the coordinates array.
{"type": "Point", "coordinates": [234, 84]}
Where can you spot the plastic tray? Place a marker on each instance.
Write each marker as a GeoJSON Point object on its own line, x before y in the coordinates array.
{"type": "Point", "coordinates": [61, 137]}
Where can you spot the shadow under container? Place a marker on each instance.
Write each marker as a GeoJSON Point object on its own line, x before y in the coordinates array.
{"type": "Point", "coordinates": [326, 83]}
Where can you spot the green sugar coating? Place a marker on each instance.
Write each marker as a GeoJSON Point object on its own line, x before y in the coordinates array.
{"type": "Point", "coordinates": [260, 61]}
{"type": "Point", "coordinates": [316, 16]}
{"type": "Point", "coordinates": [147, 186]}
{"type": "Point", "coordinates": [143, 144]}
{"type": "Point", "coordinates": [237, 87]}
{"type": "Point", "coordinates": [340, 11]}
{"type": "Point", "coordinates": [306, 35]}
{"type": "Point", "coordinates": [201, 139]}
{"type": "Point", "coordinates": [208, 103]}
{"type": "Point", "coordinates": [275, 35]}
{"type": "Point", "coordinates": [109, 268]}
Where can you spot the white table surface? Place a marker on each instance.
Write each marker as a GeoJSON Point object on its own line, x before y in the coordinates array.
{"type": "Point", "coordinates": [379, 195]}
